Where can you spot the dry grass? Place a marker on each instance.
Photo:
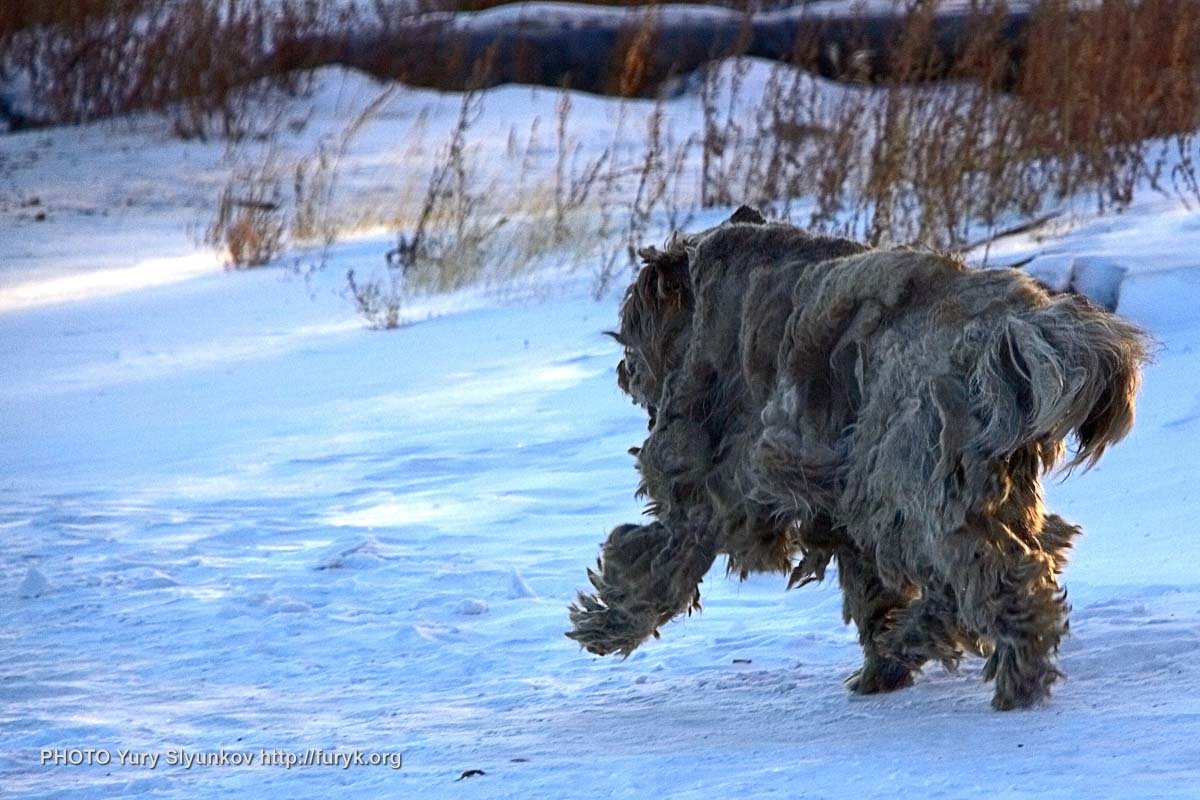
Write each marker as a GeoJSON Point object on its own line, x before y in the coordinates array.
{"type": "Point", "coordinates": [472, 227]}
{"type": "Point", "coordinates": [199, 61]}
{"type": "Point", "coordinates": [1102, 100]}
{"type": "Point", "coordinates": [250, 223]}
{"type": "Point", "coordinates": [315, 178]}
{"type": "Point", "coordinates": [468, 226]}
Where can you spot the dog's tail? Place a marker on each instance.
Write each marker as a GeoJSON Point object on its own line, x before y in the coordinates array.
{"type": "Point", "coordinates": [1062, 367]}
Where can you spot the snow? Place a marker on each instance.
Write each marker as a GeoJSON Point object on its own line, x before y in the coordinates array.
{"type": "Point", "coordinates": [232, 517]}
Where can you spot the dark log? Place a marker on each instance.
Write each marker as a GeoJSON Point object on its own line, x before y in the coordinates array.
{"type": "Point", "coordinates": [633, 51]}
{"type": "Point", "coordinates": [625, 51]}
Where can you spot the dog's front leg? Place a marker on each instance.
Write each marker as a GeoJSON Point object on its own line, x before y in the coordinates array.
{"type": "Point", "coordinates": [646, 575]}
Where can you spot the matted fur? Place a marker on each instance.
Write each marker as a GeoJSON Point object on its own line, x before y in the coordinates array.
{"type": "Point", "coordinates": [811, 399]}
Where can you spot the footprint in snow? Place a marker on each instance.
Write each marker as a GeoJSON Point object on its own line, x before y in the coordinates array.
{"type": "Point", "coordinates": [33, 585]}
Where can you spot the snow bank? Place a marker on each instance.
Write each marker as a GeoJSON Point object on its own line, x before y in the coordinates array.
{"type": "Point", "coordinates": [232, 518]}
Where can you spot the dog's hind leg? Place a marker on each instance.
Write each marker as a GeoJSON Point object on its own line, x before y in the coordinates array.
{"type": "Point", "coordinates": [928, 629]}
{"type": "Point", "coordinates": [871, 605]}
{"type": "Point", "coordinates": [1007, 590]}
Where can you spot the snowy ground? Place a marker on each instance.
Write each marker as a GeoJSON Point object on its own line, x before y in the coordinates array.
{"type": "Point", "coordinates": [231, 517]}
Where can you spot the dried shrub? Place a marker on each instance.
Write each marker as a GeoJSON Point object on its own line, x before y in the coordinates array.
{"type": "Point", "coordinates": [469, 228]}
{"type": "Point", "coordinates": [250, 223]}
{"type": "Point", "coordinates": [447, 247]}
{"type": "Point", "coordinates": [315, 178]}
{"type": "Point", "coordinates": [378, 301]}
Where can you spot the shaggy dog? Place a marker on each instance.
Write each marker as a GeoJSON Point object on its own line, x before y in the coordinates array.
{"type": "Point", "coordinates": [812, 399]}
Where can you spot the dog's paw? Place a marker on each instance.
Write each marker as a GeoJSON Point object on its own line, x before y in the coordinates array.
{"type": "Point", "coordinates": [604, 629]}
{"type": "Point", "coordinates": [879, 675]}
{"type": "Point", "coordinates": [1020, 683]}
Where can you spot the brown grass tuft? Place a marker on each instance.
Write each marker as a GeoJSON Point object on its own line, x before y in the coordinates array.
{"type": "Point", "coordinates": [250, 221]}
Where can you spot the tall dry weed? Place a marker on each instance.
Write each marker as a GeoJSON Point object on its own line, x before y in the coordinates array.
{"type": "Point", "coordinates": [205, 63]}
{"type": "Point", "coordinates": [1096, 100]}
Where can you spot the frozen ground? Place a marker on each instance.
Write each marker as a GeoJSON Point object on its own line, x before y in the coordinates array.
{"type": "Point", "coordinates": [231, 517]}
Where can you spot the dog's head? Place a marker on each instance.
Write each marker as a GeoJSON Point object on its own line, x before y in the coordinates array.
{"type": "Point", "coordinates": [656, 316]}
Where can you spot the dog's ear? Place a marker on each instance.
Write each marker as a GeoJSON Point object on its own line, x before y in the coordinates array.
{"type": "Point", "coordinates": [747, 215]}
{"type": "Point", "coordinates": [664, 278]}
